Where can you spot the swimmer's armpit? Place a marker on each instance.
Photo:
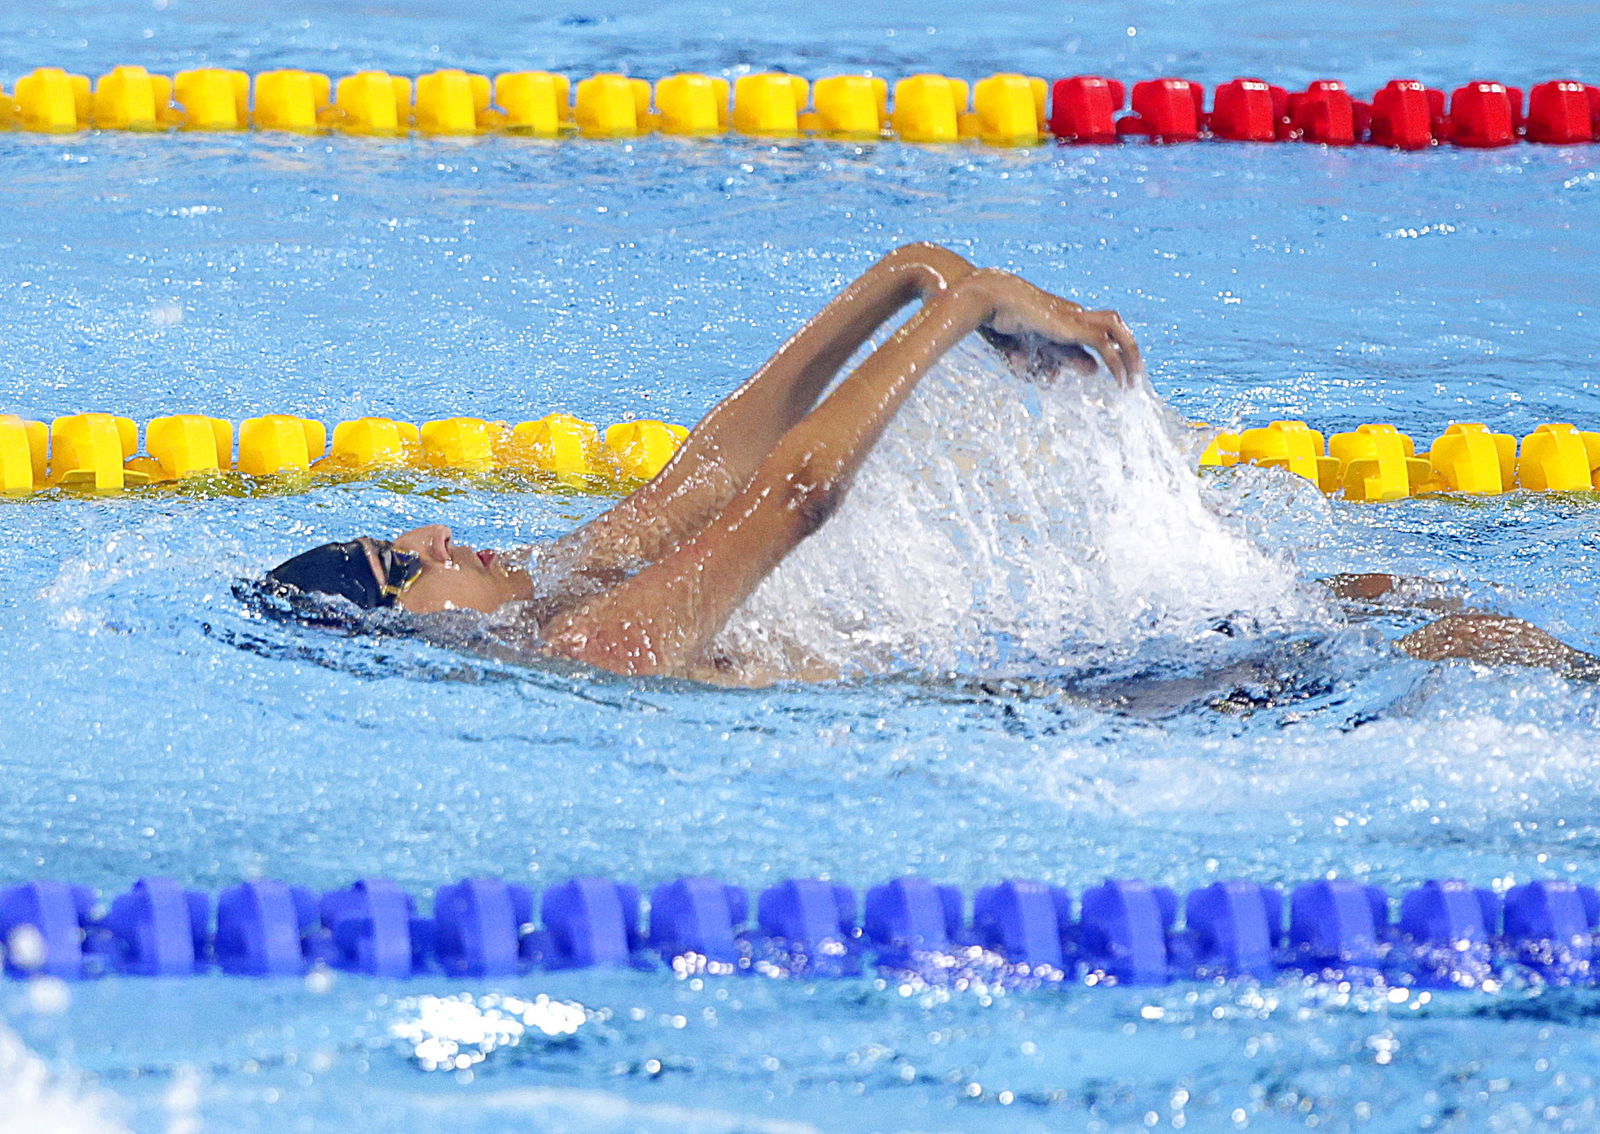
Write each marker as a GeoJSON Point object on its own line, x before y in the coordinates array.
{"type": "Point", "coordinates": [1497, 639]}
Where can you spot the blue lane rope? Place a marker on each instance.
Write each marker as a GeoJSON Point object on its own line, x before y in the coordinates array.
{"type": "Point", "coordinates": [1448, 932]}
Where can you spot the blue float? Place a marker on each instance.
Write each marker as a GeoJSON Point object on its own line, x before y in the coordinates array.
{"type": "Point", "coordinates": [59, 913]}
{"type": "Point", "coordinates": [263, 928]}
{"type": "Point", "coordinates": [697, 915]}
{"type": "Point", "coordinates": [1234, 927]}
{"type": "Point", "coordinates": [806, 914]}
{"type": "Point", "coordinates": [587, 921]}
{"type": "Point", "coordinates": [1551, 923]}
{"type": "Point", "coordinates": [1023, 921]}
{"type": "Point", "coordinates": [158, 928]}
{"type": "Point", "coordinates": [375, 930]}
{"type": "Point", "coordinates": [1337, 922]}
{"type": "Point", "coordinates": [478, 926]}
{"type": "Point", "coordinates": [913, 915]}
{"type": "Point", "coordinates": [1446, 912]}
{"type": "Point", "coordinates": [1123, 928]}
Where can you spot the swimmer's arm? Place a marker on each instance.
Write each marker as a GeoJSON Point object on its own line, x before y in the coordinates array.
{"type": "Point", "coordinates": [661, 619]}
{"type": "Point", "coordinates": [1496, 639]}
{"type": "Point", "coordinates": [724, 450]}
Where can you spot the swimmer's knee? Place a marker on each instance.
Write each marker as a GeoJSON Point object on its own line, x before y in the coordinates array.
{"type": "Point", "coordinates": [1453, 636]}
{"type": "Point", "coordinates": [1493, 639]}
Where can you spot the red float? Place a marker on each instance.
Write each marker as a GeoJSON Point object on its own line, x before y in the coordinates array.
{"type": "Point", "coordinates": [1480, 116]}
{"type": "Point", "coordinates": [1402, 115]}
{"type": "Point", "coordinates": [1559, 114]}
{"type": "Point", "coordinates": [1243, 112]}
{"type": "Point", "coordinates": [1082, 109]}
{"type": "Point", "coordinates": [1324, 112]}
{"type": "Point", "coordinates": [1165, 109]}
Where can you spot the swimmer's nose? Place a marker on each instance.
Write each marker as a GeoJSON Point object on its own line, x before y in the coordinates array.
{"type": "Point", "coordinates": [432, 542]}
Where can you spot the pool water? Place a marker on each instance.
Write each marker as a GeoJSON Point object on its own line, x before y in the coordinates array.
{"type": "Point", "coordinates": [1014, 559]}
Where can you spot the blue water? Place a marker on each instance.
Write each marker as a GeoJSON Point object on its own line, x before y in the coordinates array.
{"type": "Point", "coordinates": [151, 726]}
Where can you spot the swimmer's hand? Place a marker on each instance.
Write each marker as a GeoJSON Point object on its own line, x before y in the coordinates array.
{"type": "Point", "coordinates": [1020, 310]}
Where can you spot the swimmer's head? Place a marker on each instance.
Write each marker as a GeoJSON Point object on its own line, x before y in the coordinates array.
{"type": "Point", "coordinates": [346, 570]}
{"type": "Point", "coordinates": [422, 571]}
{"type": "Point", "coordinates": [1038, 359]}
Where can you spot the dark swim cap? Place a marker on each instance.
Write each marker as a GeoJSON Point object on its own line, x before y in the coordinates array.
{"type": "Point", "coordinates": [334, 569]}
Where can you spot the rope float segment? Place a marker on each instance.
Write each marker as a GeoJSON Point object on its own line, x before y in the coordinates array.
{"type": "Point", "coordinates": [1447, 933]}
{"type": "Point", "coordinates": [1006, 109]}
{"type": "Point", "coordinates": [1378, 462]}
{"type": "Point", "coordinates": [100, 452]}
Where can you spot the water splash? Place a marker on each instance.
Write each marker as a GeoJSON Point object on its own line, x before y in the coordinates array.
{"type": "Point", "coordinates": [1004, 526]}
{"type": "Point", "coordinates": [32, 1098]}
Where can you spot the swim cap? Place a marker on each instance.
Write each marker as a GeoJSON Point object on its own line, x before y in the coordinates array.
{"type": "Point", "coordinates": [334, 569]}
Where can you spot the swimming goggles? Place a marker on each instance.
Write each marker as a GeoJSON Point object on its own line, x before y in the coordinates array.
{"type": "Point", "coordinates": [400, 569]}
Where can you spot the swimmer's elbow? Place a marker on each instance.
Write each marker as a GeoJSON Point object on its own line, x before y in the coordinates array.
{"type": "Point", "coordinates": [810, 493]}
{"type": "Point", "coordinates": [941, 266]}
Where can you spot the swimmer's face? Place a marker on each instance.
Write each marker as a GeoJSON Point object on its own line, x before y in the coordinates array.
{"type": "Point", "coordinates": [454, 576]}
{"type": "Point", "coordinates": [1050, 362]}
{"type": "Point", "coordinates": [1036, 359]}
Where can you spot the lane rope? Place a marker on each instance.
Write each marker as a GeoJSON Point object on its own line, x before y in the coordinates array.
{"type": "Point", "coordinates": [100, 453]}
{"type": "Point", "coordinates": [1006, 109]}
{"type": "Point", "coordinates": [1443, 933]}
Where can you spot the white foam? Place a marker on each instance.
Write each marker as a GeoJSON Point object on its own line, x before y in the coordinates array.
{"type": "Point", "coordinates": [999, 520]}
{"type": "Point", "coordinates": [33, 1100]}
{"type": "Point", "coordinates": [597, 1111]}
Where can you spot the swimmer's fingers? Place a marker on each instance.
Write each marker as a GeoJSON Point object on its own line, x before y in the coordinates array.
{"type": "Point", "coordinates": [1108, 336]}
{"type": "Point", "coordinates": [1127, 346]}
{"type": "Point", "coordinates": [1066, 323]}
{"type": "Point", "coordinates": [1104, 340]}
{"type": "Point", "coordinates": [1020, 307]}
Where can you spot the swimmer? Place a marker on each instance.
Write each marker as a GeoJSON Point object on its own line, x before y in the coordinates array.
{"type": "Point", "coordinates": [645, 587]}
